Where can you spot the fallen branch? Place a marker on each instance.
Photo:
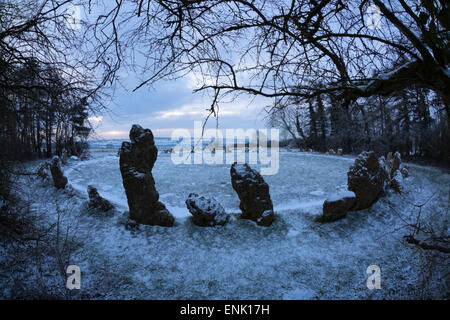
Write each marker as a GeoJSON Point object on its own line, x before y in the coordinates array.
{"type": "Point", "coordinates": [410, 239]}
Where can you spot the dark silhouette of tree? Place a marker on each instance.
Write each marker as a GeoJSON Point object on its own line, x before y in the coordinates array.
{"type": "Point", "coordinates": [284, 48]}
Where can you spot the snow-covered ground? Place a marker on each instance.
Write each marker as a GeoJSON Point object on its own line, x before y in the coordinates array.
{"type": "Point", "coordinates": [302, 181]}
{"type": "Point", "coordinates": [295, 258]}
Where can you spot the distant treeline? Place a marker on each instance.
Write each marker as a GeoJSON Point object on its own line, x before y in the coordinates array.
{"type": "Point", "coordinates": [39, 115]}
{"type": "Point", "coordinates": [414, 122]}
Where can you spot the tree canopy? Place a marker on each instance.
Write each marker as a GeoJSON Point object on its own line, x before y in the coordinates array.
{"type": "Point", "coordinates": [286, 48]}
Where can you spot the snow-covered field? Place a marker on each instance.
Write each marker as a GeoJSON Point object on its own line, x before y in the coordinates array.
{"type": "Point", "coordinates": [295, 258]}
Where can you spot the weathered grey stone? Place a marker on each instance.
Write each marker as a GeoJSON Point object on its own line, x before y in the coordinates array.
{"type": "Point", "coordinates": [254, 194]}
{"type": "Point", "coordinates": [396, 171]}
{"type": "Point", "coordinates": [396, 182]}
{"type": "Point", "coordinates": [136, 163]}
{"type": "Point", "coordinates": [59, 180]}
{"type": "Point", "coordinates": [385, 172]}
{"type": "Point", "coordinates": [206, 212]}
{"type": "Point", "coordinates": [366, 179]}
{"type": "Point", "coordinates": [389, 158]}
{"type": "Point", "coordinates": [396, 162]}
{"type": "Point", "coordinates": [64, 156]}
{"type": "Point", "coordinates": [340, 152]}
{"type": "Point", "coordinates": [44, 170]}
{"type": "Point", "coordinates": [337, 205]}
{"type": "Point", "coordinates": [96, 201]}
{"type": "Point", "coordinates": [404, 171]}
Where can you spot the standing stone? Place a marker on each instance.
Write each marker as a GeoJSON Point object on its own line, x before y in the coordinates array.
{"type": "Point", "coordinates": [44, 171]}
{"type": "Point", "coordinates": [206, 212]}
{"type": "Point", "coordinates": [337, 205]}
{"type": "Point", "coordinates": [366, 179]}
{"type": "Point", "coordinates": [64, 156]}
{"type": "Point", "coordinates": [396, 182]}
{"type": "Point", "coordinates": [396, 163]}
{"type": "Point", "coordinates": [340, 152]}
{"type": "Point", "coordinates": [389, 157]}
{"type": "Point", "coordinates": [96, 201]}
{"type": "Point", "coordinates": [385, 172]}
{"type": "Point", "coordinates": [404, 171]}
{"type": "Point", "coordinates": [136, 163]}
{"type": "Point", "coordinates": [59, 180]}
{"type": "Point", "coordinates": [254, 194]}
{"type": "Point", "coordinates": [393, 163]}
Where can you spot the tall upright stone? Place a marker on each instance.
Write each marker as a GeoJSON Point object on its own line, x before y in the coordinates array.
{"type": "Point", "coordinates": [136, 163]}
{"type": "Point", "coordinates": [366, 178]}
{"type": "Point", "coordinates": [254, 194]}
{"type": "Point", "coordinates": [59, 180]}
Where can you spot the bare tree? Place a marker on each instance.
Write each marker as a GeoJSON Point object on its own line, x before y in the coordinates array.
{"type": "Point", "coordinates": [284, 48]}
{"type": "Point", "coordinates": [39, 30]}
{"type": "Point", "coordinates": [290, 118]}
{"type": "Point", "coordinates": [49, 78]}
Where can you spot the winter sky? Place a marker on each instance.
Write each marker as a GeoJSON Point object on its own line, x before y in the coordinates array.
{"type": "Point", "coordinates": [168, 105]}
{"type": "Point", "coordinates": [171, 105]}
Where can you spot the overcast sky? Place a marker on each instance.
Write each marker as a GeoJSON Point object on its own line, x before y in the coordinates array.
{"type": "Point", "coordinates": [168, 105]}
{"type": "Point", "coordinates": [172, 105]}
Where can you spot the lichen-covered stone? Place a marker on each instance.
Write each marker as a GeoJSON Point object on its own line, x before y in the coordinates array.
{"type": "Point", "coordinates": [206, 212]}
{"type": "Point", "coordinates": [59, 180]}
{"type": "Point", "coordinates": [396, 171]}
{"type": "Point", "coordinates": [44, 171]}
{"type": "Point", "coordinates": [254, 194]}
{"type": "Point", "coordinates": [337, 205]}
{"type": "Point", "coordinates": [385, 171]}
{"type": "Point", "coordinates": [96, 201]}
{"type": "Point", "coordinates": [396, 163]}
{"type": "Point", "coordinates": [396, 182]}
{"type": "Point", "coordinates": [366, 178]}
{"type": "Point", "coordinates": [64, 156]}
{"type": "Point", "coordinates": [136, 163]}
{"type": "Point", "coordinates": [404, 171]}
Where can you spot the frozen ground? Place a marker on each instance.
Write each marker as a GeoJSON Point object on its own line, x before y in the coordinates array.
{"type": "Point", "coordinates": [302, 181]}
{"type": "Point", "coordinates": [295, 258]}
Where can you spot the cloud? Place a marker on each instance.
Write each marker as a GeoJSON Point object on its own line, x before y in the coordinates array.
{"type": "Point", "coordinates": [242, 108]}
{"type": "Point", "coordinates": [95, 119]}
{"type": "Point", "coordinates": [191, 110]}
{"type": "Point", "coordinates": [114, 134]}
{"type": "Point", "coordinates": [194, 80]}
{"type": "Point", "coordinates": [172, 105]}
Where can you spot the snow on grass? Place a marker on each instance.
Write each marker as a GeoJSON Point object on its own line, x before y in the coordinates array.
{"type": "Point", "coordinates": [341, 195]}
{"type": "Point", "coordinates": [295, 258]}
